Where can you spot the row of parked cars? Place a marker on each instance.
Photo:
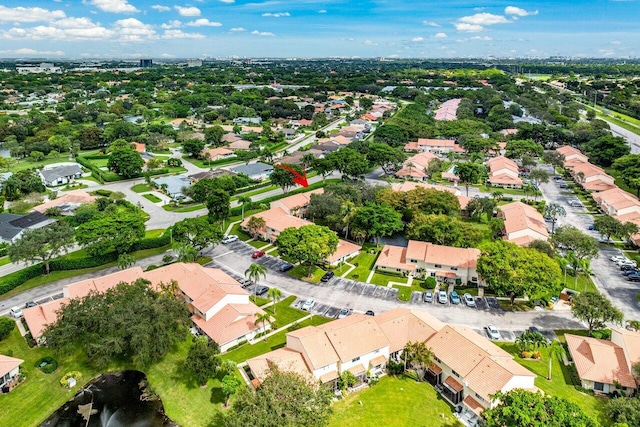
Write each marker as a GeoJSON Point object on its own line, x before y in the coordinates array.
{"type": "Point", "coordinates": [629, 267]}
{"type": "Point", "coordinates": [453, 297]}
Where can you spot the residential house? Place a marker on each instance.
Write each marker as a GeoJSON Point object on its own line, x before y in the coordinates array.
{"type": "Point", "coordinates": [12, 225]}
{"type": "Point", "coordinates": [219, 153]}
{"type": "Point", "coordinates": [436, 146]}
{"type": "Point", "coordinates": [448, 110]}
{"type": "Point", "coordinates": [9, 371]}
{"type": "Point", "coordinates": [572, 154]}
{"type": "Point", "coordinates": [415, 166]}
{"type": "Point", "coordinates": [617, 202]}
{"type": "Point", "coordinates": [296, 204]}
{"type": "Point", "coordinates": [410, 185]}
{"type": "Point", "coordinates": [247, 120]}
{"type": "Point", "coordinates": [295, 158]}
{"type": "Point", "coordinates": [503, 172]}
{"type": "Point", "coordinates": [288, 133]}
{"type": "Point", "coordinates": [423, 259]}
{"type": "Point", "coordinates": [591, 177]}
{"type": "Point", "coordinates": [325, 147]}
{"type": "Point", "coordinates": [68, 202]}
{"type": "Point", "coordinates": [60, 174]}
{"type": "Point", "coordinates": [522, 223]}
{"type": "Point", "coordinates": [210, 174]}
{"type": "Point", "coordinates": [240, 144]}
{"type": "Point", "coordinates": [604, 366]}
{"type": "Point", "coordinates": [345, 251]}
{"type": "Point", "coordinates": [173, 185]}
{"type": "Point", "coordinates": [352, 131]}
{"type": "Point", "coordinates": [230, 137]}
{"type": "Point", "coordinates": [257, 171]}
{"type": "Point", "coordinates": [220, 307]}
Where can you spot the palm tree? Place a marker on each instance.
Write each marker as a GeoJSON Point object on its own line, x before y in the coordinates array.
{"type": "Point", "coordinates": [274, 295]}
{"type": "Point", "coordinates": [348, 211]}
{"type": "Point", "coordinates": [555, 350]}
{"type": "Point", "coordinates": [307, 159]}
{"type": "Point", "coordinates": [584, 265]}
{"type": "Point", "coordinates": [244, 201]}
{"type": "Point", "coordinates": [186, 252]}
{"type": "Point", "coordinates": [563, 262]}
{"type": "Point", "coordinates": [497, 195]}
{"type": "Point", "coordinates": [253, 273]}
{"type": "Point", "coordinates": [263, 318]}
{"type": "Point", "coordinates": [554, 210]}
{"type": "Point", "coordinates": [418, 356]}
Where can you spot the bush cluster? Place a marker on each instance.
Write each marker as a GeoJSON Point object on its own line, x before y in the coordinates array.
{"type": "Point", "coordinates": [46, 364]}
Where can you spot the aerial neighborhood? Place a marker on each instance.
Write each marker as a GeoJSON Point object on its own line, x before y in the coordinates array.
{"type": "Point", "coordinates": [459, 240]}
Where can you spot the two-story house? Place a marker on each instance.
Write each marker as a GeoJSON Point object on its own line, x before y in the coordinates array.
{"type": "Point", "coordinates": [415, 166]}
{"type": "Point", "coordinates": [503, 172]}
{"type": "Point", "coordinates": [522, 223]}
{"type": "Point", "coordinates": [296, 204]}
{"type": "Point", "coordinates": [592, 177]}
{"type": "Point", "coordinates": [617, 202]}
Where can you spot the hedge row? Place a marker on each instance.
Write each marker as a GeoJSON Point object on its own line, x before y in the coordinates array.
{"type": "Point", "coordinates": [96, 172]}
{"type": "Point", "coordinates": [16, 279]}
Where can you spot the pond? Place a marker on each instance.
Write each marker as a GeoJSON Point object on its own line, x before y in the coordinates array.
{"type": "Point", "coordinates": [116, 399]}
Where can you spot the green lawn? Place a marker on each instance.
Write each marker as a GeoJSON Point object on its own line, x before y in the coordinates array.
{"type": "Point", "coordinates": [4, 260]}
{"type": "Point", "coordinates": [183, 208]}
{"type": "Point", "coordinates": [255, 192]}
{"type": "Point", "coordinates": [29, 163]}
{"type": "Point", "coordinates": [152, 198]}
{"type": "Point", "coordinates": [141, 188]}
{"type": "Point", "coordinates": [300, 272]}
{"type": "Point", "coordinates": [203, 164]}
{"type": "Point", "coordinates": [560, 384]}
{"type": "Point", "coordinates": [238, 232]}
{"type": "Point", "coordinates": [383, 279]}
{"type": "Point", "coordinates": [285, 314]}
{"type": "Point", "coordinates": [153, 233]}
{"type": "Point", "coordinates": [363, 262]}
{"type": "Point", "coordinates": [394, 401]}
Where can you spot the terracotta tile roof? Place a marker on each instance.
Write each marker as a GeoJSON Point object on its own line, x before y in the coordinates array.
{"type": "Point", "coordinates": [341, 140]}
{"type": "Point", "coordinates": [630, 343]}
{"type": "Point", "coordinates": [394, 257]}
{"type": "Point", "coordinates": [504, 179]}
{"type": "Point", "coordinates": [101, 284]}
{"type": "Point", "coordinates": [589, 170]}
{"type": "Point", "coordinates": [240, 144]}
{"type": "Point", "coordinates": [413, 172]}
{"type": "Point", "coordinates": [568, 150]}
{"type": "Point", "coordinates": [40, 316]}
{"type": "Point", "coordinates": [445, 255]}
{"type": "Point", "coordinates": [616, 198]}
{"type": "Point", "coordinates": [420, 160]}
{"type": "Point", "coordinates": [344, 249]}
{"type": "Point", "coordinates": [298, 200]}
{"type": "Point", "coordinates": [284, 358]}
{"type": "Point", "coordinates": [277, 219]}
{"type": "Point", "coordinates": [453, 384]}
{"type": "Point", "coordinates": [598, 185]}
{"type": "Point", "coordinates": [314, 345]}
{"type": "Point", "coordinates": [354, 336]}
{"type": "Point", "coordinates": [74, 197]}
{"type": "Point", "coordinates": [509, 131]}
{"type": "Point", "coordinates": [448, 110]}
{"type": "Point", "coordinates": [473, 404]}
{"type": "Point", "coordinates": [230, 322]}
{"type": "Point", "coordinates": [519, 216]}
{"type": "Point", "coordinates": [403, 325]}
{"type": "Point", "coordinates": [425, 143]}
{"type": "Point", "coordinates": [8, 364]}
{"type": "Point", "coordinates": [215, 152]}
{"type": "Point", "coordinates": [599, 360]}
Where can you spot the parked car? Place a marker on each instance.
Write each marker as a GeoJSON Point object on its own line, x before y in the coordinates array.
{"type": "Point", "coordinates": [229, 239]}
{"type": "Point", "coordinates": [627, 263]}
{"type": "Point", "coordinates": [468, 299]}
{"type": "Point", "coordinates": [30, 304]}
{"type": "Point", "coordinates": [258, 254]}
{"type": "Point", "coordinates": [442, 297]}
{"type": "Point", "coordinates": [427, 296]}
{"type": "Point", "coordinates": [630, 271]}
{"type": "Point", "coordinates": [327, 276]}
{"type": "Point", "coordinates": [454, 297]}
{"type": "Point", "coordinates": [625, 267]}
{"type": "Point", "coordinates": [344, 313]}
{"type": "Point", "coordinates": [308, 304]}
{"type": "Point", "coordinates": [591, 227]}
{"type": "Point", "coordinates": [493, 332]}
{"type": "Point", "coordinates": [261, 290]}
{"type": "Point", "coordinates": [616, 258]}
{"type": "Point", "coordinates": [16, 312]}
{"type": "Point", "coordinates": [633, 277]}
{"type": "Point", "coordinates": [285, 266]}
{"type": "Point", "coordinates": [369, 313]}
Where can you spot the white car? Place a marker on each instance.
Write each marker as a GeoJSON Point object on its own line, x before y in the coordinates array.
{"type": "Point", "coordinates": [229, 239]}
{"type": "Point", "coordinates": [493, 332]}
{"type": "Point", "coordinates": [16, 312]}
{"type": "Point", "coordinates": [442, 297]}
{"type": "Point", "coordinates": [626, 262]}
{"type": "Point", "coordinates": [344, 313]}
{"type": "Point", "coordinates": [468, 299]}
{"type": "Point", "coordinates": [308, 304]}
{"type": "Point", "coordinates": [616, 258]}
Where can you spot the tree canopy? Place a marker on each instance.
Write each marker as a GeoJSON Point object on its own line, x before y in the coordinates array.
{"type": "Point", "coordinates": [309, 244]}
{"type": "Point", "coordinates": [117, 231]}
{"type": "Point", "coordinates": [42, 244]}
{"type": "Point", "coordinates": [197, 232]}
{"type": "Point", "coordinates": [595, 309]}
{"type": "Point", "coordinates": [629, 169]}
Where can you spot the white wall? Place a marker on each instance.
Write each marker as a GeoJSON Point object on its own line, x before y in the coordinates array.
{"type": "Point", "coordinates": [227, 299]}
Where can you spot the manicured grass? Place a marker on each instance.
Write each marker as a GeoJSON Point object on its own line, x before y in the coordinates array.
{"type": "Point", "coordinates": [584, 283]}
{"type": "Point", "coordinates": [284, 314]}
{"type": "Point", "coordinates": [259, 301]}
{"type": "Point", "coordinates": [560, 384]}
{"type": "Point", "coordinates": [4, 260]}
{"type": "Point", "coordinates": [152, 198]}
{"type": "Point", "coordinates": [203, 164]}
{"type": "Point", "coordinates": [258, 244]}
{"type": "Point", "coordinates": [256, 192]}
{"type": "Point", "coordinates": [247, 351]}
{"type": "Point", "coordinates": [383, 279]}
{"type": "Point", "coordinates": [404, 293]}
{"type": "Point", "coordinates": [28, 163]}
{"type": "Point", "coordinates": [516, 306]}
{"type": "Point", "coordinates": [76, 186]}
{"type": "Point", "coordinates": [363, 262]}
{"type": "Point", "coordinates": [300, 272]}
{"type": "Point", "coordinates": [237, 230]}
{"type": "Point", "coordinates": [183, 208]}
{"type": "Point", "coordinates": [141, 188]}
{"type": "Point", "coordinates": [394, 401]}
{"type": "Point", "coordinates": [59, 275]}
{"type": "Point", "coordinates": [153, 233]}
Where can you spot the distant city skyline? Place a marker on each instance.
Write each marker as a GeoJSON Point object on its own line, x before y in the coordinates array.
{"type": "Point", "coordinates": [71, 29]}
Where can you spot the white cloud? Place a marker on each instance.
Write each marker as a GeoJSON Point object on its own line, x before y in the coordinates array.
{"type": "Point", "coordinates": [616, 42]}
{"type": "Point", "coordinates": [161, 8]}
{"type": "Point", "coordinates": [167, 55]}
{"type": "Point", "coordinates": [370, 43]}
{"type": "Point", "coordinates": [188, 11]}
{"type": "Point", "coordinates": [322, 11]}
{"type": "Point", "coordinates": [237, 30]}
{"type": "Point", "coordinates": [132, 30]}
{"type": "Point", "coordinates": [440, 36]}
{"type": "Point", "coordinates": [431, 24]}
{"type": "Point", "coordinates": [114, 6]}
{"type": "Point", "coordinates": [32, 52]}
{"type": "Point", "coordinates": [468, 28]}
{"type": "Point", "coordinates": [228, 1]}
{"type": "Point", "coordinates": [29, 14]}
{"type": "Point", "coordinates": [171, 24]}
{"type": "Point", "coordinates": [179, 34]}
{"type": "Point", "coordinates": [262, 33]}
{"type": "Point", "coordinates": [485, 38]}
{"type": "Point", "coordinates": [276, 15]}
{"type": "Point", "coordinates": [417, 39]}
{"type": "Point", "coordinates": [516, 11]}
{"type": "Point", "coordinates": [484, 19]}
{"type": "Point", "coordinates": [203, 22]}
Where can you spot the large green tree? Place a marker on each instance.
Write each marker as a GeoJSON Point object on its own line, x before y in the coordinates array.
{"type": "Point", "coordinates": [377, 220]}
{"type": "Point", "coordinates": [202, 360]}
{"type": "Point", "coordinates": [126, 322]}
{"type": "Point", "coordinates": [443, 230]}
{"type": "Point", "coordinates": [125, 162]}
{"type": "Point", "coordinates": [309, 244]}
{"type": "Point", "coordinates": [595, 309]}
{"type": "Point", "coordinates": [349, 162]}
{"type": "Point", "coordinates": [470, 173]}
{"type": "Point", "coordinates": [608, 226]}
{"type": "Point", "coordinates": [283, 399]}
{"type": "Point", "coordinates": [197, 232]}
{"type": "Point", "coordinates": [604, 150]}
{"type": "Point", "coordinates": [629, 169]}
{"type": "Point", "coordinates": [385, 156]}
{"type": "Point", "coordinates": [218, 204]}
{"type": "Point", "coordinates": [624, 410]}
{"type": "Point", "coordinates": [571, 239]}
{"type": "Point", "coordinates": [284, 178]}
{"type": "Point", "coordinates": [42, 244]}
{"type": "Point", "coordinates": [213, 135]}
{"type": "Point", "coordinates": [524, 408]}
{"type": "Point", "coordinates": [517, 148]}
{"type": "Point", "coordinates": [117, 232]}
{"type": "Point", "coordinates": [511, 270]}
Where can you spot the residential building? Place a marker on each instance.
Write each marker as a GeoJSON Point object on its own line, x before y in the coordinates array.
{"type": "Point", "coordinates": [503, 172]}
{"type": "Point", "coordinates": [415, 166]}
{"type": "Point", "coordinates": [617, 202]}
{"type": "Point", "coordinates": [296, 204]}
{"type": "Point", "coordinates": [572, 154]}
{"type": "Point", "coordinates": [591, 177]}
{"type": "Point", "coordinates": [257, 171]}
{"type": "Point", "coordinates": [60, 174]}
{"type": "Point", "coordinates": [522, 223]}
{"type": "Point", "coordinates": [12, 225]}
{"type": "Point", "coordinates": [448, 110]}
{"type": "Point", "coordinates": [210, 174]}
{"type": "Point", "coordinates": [240, 144]}
{"type": "Point", "coordinates": [604, 366]}
{"type": "Point", "coordinates": [173, 185]}
{"type": "Point", "coordinates": [220, 307]}
{"type": "Point", "coordinates": [423, 259]}
{"type": "Point", "coordinates": [436, 146]}
{"type": "Point", "coordinates": [9, 371]}
{"type": "Point", "coordinates": [68, 202]}
{"type": "Point", "coordinates": [247, 120]}
{"type": "Point", "coordinates": [219, 153]}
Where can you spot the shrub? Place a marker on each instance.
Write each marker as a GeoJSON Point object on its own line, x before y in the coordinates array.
{"type": "Point", "coordinates": [395, 368]}
{"type": "Point", "coordinates": [103, 193]}
{"type": "Point", "coordinates": [6, 326]}
{"type": "Point", "coordinates": [430, 282]}
{"type": "Point", "coordinates": [603, 334]}
{"type": "Point", "coordinates": [151, 267]}
{"type": "Point", "coordinates": [46, 364]}
{"type": "Point", "coordinates": [72, 374]}
{"type": "Point", "coordinates": [16, 279]}
{"type": "Point", "coordinates": [4, 249]}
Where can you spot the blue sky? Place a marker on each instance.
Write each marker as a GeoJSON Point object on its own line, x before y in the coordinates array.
{"type": "Point", "coordinates": [318, 28]}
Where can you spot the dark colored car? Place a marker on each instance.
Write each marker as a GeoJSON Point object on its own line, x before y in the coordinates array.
{"type": "Point", "coordinates": [30, 304]}
{"type": "Point", "coordinates": [626, 267]}
{"type": "Point", "coordinates": [633, 277]}
{"type": "Point", "coordinates": [327, 276]}
{"type": "Point", "coordinates": [631, 271]}
{"type": "Point", "coordinates": [285, 266]}
{"type": "Point", "coordinates": [258, 254]}
{"type": "Point", "coordinates": [454, 297]}
{"type": "Point", "coordinates": [534, 329]}
{"type": "Point", "coordinates": [591, 227]}
{"type": "Point", "coordinates": [261, 290]}
{"type": "Point", "coordinates": [370, 313]}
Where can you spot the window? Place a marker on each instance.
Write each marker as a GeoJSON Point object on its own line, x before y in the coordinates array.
{"type": "Point", "coordinates": [356, 359]}
{"type": "Point", "coordinates": [474, 279]}
{"type": "Point", "coordinates": [479, 397]}
{"type": "Point", "coordinates": [454, 268]}
{"type": "Point", "coordinates": [414, 261]}
{"type": "Point", "coordinates": [436, 359]}
{"type": "Point", "coordinates": [438, 265]}
{"type": "Point", "coordinates": [598, 386]}
{"type": "Point", "coordinates": [433, 274]}
{"type": "Point", "coordinates": [455, 373]}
